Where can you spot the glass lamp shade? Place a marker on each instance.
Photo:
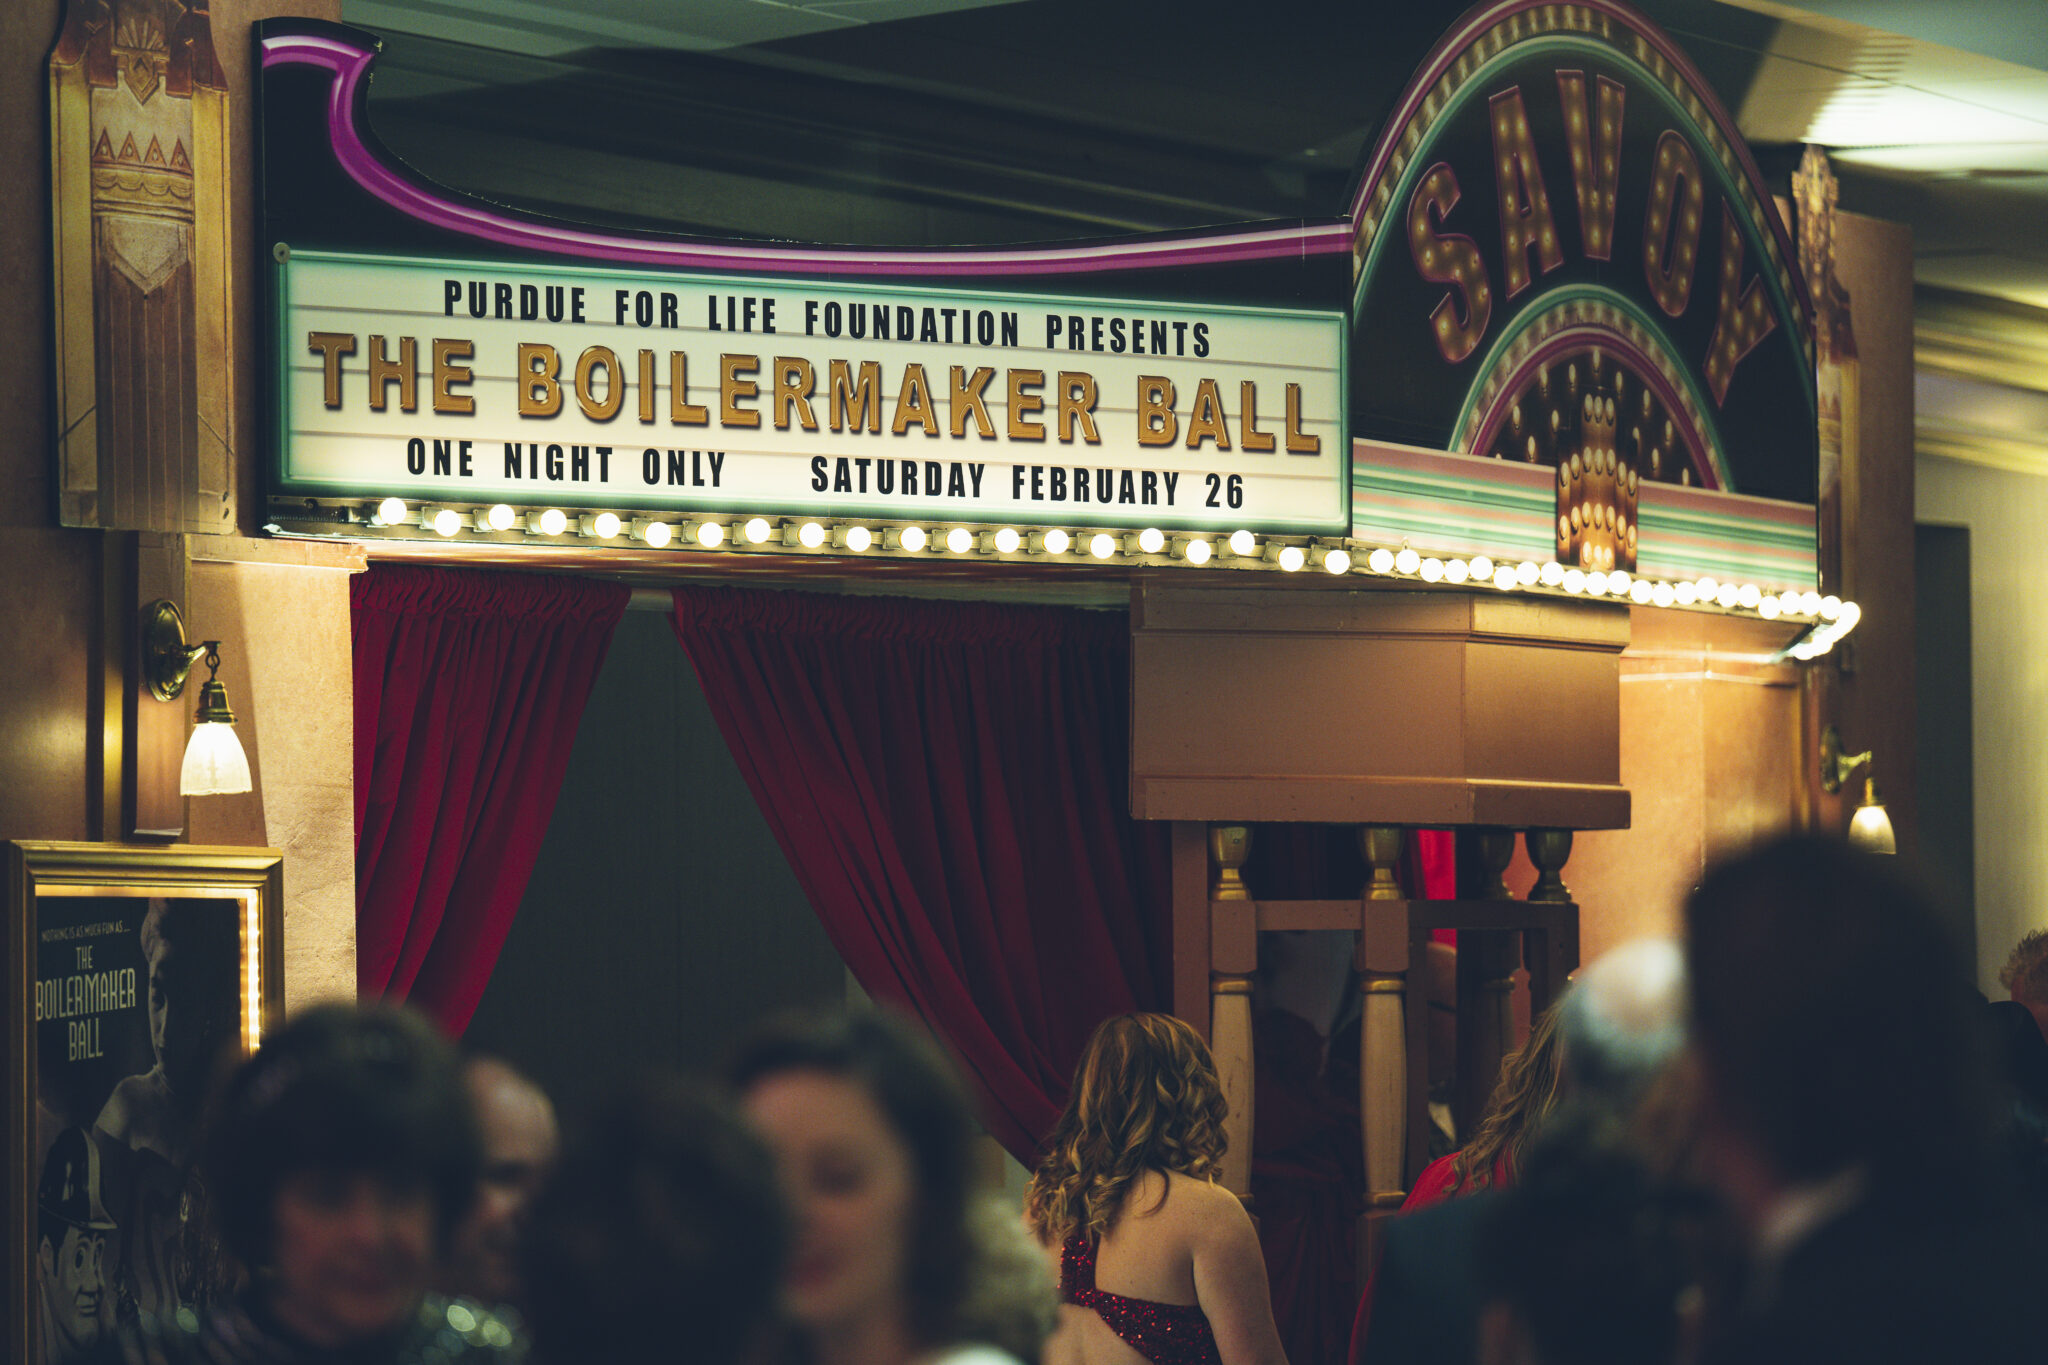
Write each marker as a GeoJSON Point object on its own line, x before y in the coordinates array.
{"type": "Point", "coordinates": [214, 762]}
{"type": "Point", "coordinates": [1870, 828]}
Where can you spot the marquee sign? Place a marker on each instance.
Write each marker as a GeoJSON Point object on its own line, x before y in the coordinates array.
{"type": "Point", "coordinates": [1572, 348]}
{"type": "Point", "coordinates": [473, 381]}
{"type": "Point", "coordinates": [1565, 260]}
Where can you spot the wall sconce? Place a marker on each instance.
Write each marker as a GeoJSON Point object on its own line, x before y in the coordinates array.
{"type": "Point", "coordinates": [1870, 828]}
{"type": "Point", "coordinates": [215, 764]}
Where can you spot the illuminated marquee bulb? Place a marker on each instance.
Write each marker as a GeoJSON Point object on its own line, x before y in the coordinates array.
{"type": "Point", "coordinates": [913, 539]}
{"type": "Point", "coordinates": [1707, 588]}
{"type": "Point", "coordinates": [1291, 558]}
{"type": "Point", "coordinates": [445, 520]}
{"type": "Point", "coordinates": [810, 535]}
{"type": "Point", "coordinates": [1830, 607]}
{"type": "Point", "coordinates": [1663, 595]}
{"type": "Point", "coordinates": [500, 518]}
{"type": "Point", "coordinates": [1596, 584]}
{"type": "Point", "coordinates": [1574, 580]}
{"type": "Point", "coordinates": [1408, 562]}
{"type": "Point", "coordinates": [1456, 571]}
{"type": "Point", "coordinates": [1432, 570]}
{"type": "Point", "coordinates": [756, 530]}
{"type": "Point", "coordinates": [1008, 541]}
{"type": "Point", "coordinates": [709, 534]}
{"type": "Point", "coordinates": [1687, 593]}
{"type": "Point", "coordinates": [1729, 595]}
{"type": "Point", "coordinates": [1337, 562]}
{"type": "Point", "coordinates": [1768, 608]}
{"type": "Point", "coordinates": [603, 526]}
{"type": "Point", "coordinates": [1553, 574]}
{"type": "Point", "coordinates": [1640, 592]}
{"type": "Point", "coordinates": [553, 522]}
{"type": "Point", "coordinates": [1482, 568]}
{"type": "Point", "coordinates": [1809, 603]}
{"type": "Point", "coordinates": [1618, 583]}
{"type": "Point", "coordinates": [1380, 560]}
{"type": "Point", "coordinates": [1504, 577]}
{"type": "Point", "coordinates": [1102, 546]}
{"type": "Point", "coordinates": [653, 533]}
{"type": "Point", "coordinates": [1053, 542]}
{"type": "Point", "coordinates": [1750, 595]}
{"type": "Point", "coordinates": [1193, 549]}
{"type": "Point", "coordinates": [1151, 540]}
{"type": "Point", "coordinates": [859, 539]}
{"type": "Point", "coordinates": [1243, 544]}
{"type": "Point", "coordinates": [1527, 573]}
{"type": "Point", "coordinates": [391, 511]}
{"type": "Point", "coordinates": [959, 540]}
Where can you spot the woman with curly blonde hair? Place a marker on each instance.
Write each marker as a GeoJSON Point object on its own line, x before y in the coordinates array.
{"type": "Point", "coordinates": [1157, 1262]}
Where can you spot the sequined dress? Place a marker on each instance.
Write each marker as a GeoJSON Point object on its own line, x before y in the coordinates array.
{"type": "Point", "coordinates": [1163, 1333]}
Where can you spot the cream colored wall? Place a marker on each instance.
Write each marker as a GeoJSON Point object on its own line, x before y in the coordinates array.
{"type": "Point", "coordinates": [1709, 754]}
{"type": "Point", "coordinates": [2004, 511]}
{"type": "Point", "coordinates": [284, 633]}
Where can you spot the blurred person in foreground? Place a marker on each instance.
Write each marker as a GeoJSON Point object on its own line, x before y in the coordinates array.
{"type": "Point", "coordinates": [1849, 1120]}
{"type": "Point", "coordinates": [339, 1159]}
{"type": "Point", "coordinates": [896, 1259]}
{"type": "Point", "coordinates": [1620, 1025]}
{"type": "Point", "coordinates": [1584, 1261]}
{"type": "Point", "coordinates": [516, 1126]}
{"type": "Point", "coordinates": [1157, 1262]}
{"type": "Point", "coordinates": [660, 1236]}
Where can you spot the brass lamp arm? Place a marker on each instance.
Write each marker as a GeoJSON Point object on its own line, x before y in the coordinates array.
{"type": "Point", "coordinates": [1836, 766]}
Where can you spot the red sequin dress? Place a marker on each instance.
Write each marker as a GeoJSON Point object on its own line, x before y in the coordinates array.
{"type": "Point", "coordinates": [1163, 1333]}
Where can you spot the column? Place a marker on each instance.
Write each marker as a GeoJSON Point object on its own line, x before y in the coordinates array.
{"type": "Point", "coordinates": [1234, 956]}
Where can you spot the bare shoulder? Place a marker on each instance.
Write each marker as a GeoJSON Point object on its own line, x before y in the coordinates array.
{"type": "Point", "coordinates": [1207, 1205]}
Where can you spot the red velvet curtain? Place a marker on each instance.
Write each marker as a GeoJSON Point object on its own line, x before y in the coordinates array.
{"type": "Point", "coordinates": [950, 783]}
{"type": "Point", "coordinates": [468, 687]}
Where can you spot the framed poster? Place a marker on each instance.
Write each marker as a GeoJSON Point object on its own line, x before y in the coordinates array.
{"type": "Point", "coordinates": [133, 974]}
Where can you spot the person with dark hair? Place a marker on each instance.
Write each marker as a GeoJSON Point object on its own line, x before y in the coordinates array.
{"type": "Point", "coordinates": [338, 1158]}
{"type": "Point", "coordinates": [1158, 1262]}
{"type": "Point", "coordinates": [71, 1247]}
{"type": "Point", "coordinates": [1581, 1261]}
{"type": "Point", "coordinates": [872, 1135]}
{"type": "Point", "coordinates": [1848, 1118]}
{"type": "Point", "coordinates": [192, 1001]}
{"type": "Point", "coordinates": [516, 1125]}
{"type": "Point", "coordinates": [661, 1234]}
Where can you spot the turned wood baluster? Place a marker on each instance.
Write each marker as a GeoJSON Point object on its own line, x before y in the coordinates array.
{"type": "Point", "coordinates": [1234, 956]}
{"type": "Point", "coordinates": [1486, 981]}
{"type": "Point", "coordinates": [1382, 966]}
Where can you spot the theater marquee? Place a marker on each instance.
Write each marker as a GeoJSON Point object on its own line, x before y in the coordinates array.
{"type": "Point", "coordinates": [467, 381]}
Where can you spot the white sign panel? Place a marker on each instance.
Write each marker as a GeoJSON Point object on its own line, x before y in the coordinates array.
{"type": "Point", "coordinates": [539, 385]}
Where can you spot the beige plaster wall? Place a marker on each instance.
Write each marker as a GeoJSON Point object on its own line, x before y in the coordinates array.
{"type": "Point", "coordinates": [1710, 743]}
{"type": "Point", "coordinates": [284, 632]}
{"type": "Point", "coordinates": [2005, 511]}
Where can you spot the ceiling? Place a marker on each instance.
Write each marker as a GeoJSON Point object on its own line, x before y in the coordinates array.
{"type": "Point", "coordinates": [949, 121]}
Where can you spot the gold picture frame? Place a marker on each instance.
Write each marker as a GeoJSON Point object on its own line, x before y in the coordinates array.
{"type": "Point", "coordinates": [122, 963]}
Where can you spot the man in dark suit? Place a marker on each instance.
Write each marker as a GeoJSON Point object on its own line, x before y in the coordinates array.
{"type": "Point", "coordinates": [1850, 1120]}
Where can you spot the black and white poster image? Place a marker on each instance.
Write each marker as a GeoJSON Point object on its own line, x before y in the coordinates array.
{"type": "Point", "coordinates": [137, 999]}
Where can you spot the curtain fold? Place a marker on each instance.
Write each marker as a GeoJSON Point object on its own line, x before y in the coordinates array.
{"type": "Point", "coordinates": [468, 689]}
{"type": "Point", "coordinates": [949, 782]}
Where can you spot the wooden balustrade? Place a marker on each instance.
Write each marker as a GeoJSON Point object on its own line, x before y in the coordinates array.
{"type": "Point", "coordinates": [1393, 941]}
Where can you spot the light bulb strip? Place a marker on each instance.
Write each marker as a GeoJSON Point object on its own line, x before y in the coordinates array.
{"type": "Point", "coordinates": [1831, 618]}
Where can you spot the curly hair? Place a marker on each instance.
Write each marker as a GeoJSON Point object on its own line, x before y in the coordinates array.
{"type": "Point", "coordinates": [2025, 972]}
{"type": "Point", "coordinates": [1145, 1097]}
{"type": "Point", "coordinates": [1522, 1098]}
